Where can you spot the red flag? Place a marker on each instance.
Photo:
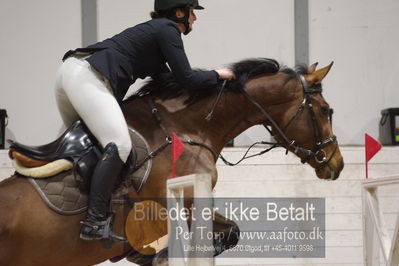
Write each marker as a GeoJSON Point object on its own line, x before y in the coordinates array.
{"type": "Point", "coordinates": [177, 150]}
{"type": "Point", "coordinates": [372, 147]}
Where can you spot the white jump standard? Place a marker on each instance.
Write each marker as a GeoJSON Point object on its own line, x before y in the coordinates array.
{"type": "Point", "coordinates": [189, 247]}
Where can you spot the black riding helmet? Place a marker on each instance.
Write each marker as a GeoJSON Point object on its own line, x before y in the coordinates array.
{"type": "Point", "coordinates": [164, 6]}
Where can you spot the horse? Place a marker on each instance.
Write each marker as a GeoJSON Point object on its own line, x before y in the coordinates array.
{"type": "Point", "coordinates": [287, 101]}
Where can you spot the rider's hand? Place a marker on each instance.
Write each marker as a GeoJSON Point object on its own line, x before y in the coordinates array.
{"type": "Point", "coordinates": [225, 73]}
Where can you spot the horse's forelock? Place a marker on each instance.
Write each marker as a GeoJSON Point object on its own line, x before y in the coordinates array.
{"type": "Point", "coordinates": [301, 69]}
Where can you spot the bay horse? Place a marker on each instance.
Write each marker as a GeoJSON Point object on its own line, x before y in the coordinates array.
{"type": "Point", "coordinates": [288, 101]}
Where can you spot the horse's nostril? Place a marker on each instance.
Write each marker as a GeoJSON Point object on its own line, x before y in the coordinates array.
{"type": "Point", "coordinates": [341, 165]}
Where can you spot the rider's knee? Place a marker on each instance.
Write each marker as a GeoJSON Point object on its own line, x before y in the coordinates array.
{"type": "Point", "coordinates": [124, 148]}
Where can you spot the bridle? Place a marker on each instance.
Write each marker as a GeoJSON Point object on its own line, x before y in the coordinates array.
{"type": "Point", "coordinates": [320, 143]}
{"type": "Point", "coordinates": [318, 154]}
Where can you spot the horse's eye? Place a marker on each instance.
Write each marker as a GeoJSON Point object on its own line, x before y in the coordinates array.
{"type": "Point", "coordinates": [325, 110]}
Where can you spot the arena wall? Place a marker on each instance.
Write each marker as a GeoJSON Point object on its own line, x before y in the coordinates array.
{"type": "Point", "coordinates": [34, 35]}
{"type": "Point", "coordinates": [361, 36]}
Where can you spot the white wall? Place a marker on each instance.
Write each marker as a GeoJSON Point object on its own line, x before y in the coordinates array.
{"type": "Point", "coordinates": [359, 35]}
{"type": "Point", "coordinates": [223, 32]}
{"type": "Point", "coordinates": [34, 35]}
{"type": "Point", "coordinates": [362, 37]}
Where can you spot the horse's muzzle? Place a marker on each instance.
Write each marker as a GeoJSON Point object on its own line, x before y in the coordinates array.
{"type": "Point", "coordinates": [330, 171]}
{"type": "Point", "coordinates": [340, 168]}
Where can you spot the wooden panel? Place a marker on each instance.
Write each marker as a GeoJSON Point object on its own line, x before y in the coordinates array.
{"type": "Point", "coordinates": [334, 255]}
{"type": "Point", "coordinates": [6, 172]}
{"type": "Point", "coordinates": [287, 188]}
{"type": "Point", "coordinates": [4, 159]}
{"type": "Point", "coordinates": [299, 172]}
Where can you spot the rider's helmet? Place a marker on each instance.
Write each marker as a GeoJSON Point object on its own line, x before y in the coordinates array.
{"type": "Point", "coordinates": [164, 5]}
{"type": "Point", "coordinates": [167, 6]}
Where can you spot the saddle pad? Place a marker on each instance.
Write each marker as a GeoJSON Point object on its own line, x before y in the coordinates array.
{"type": "Point", "coordinates": [44, 171]}
{"type": "Point", "coordinates": [61, 193]}
{"type": "Point", "coordinates": [139, 177]}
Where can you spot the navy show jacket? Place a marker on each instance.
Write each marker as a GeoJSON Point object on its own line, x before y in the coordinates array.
{"type": "Point", "coordinates": [142, 51]}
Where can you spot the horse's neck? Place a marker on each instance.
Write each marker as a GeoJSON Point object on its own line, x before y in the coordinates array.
{"type": "Point", "coordinates": [233, 115]}
{"type": "Point", "coordinates": [271, 93]}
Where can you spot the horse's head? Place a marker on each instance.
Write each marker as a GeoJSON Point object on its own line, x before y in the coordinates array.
{"type": "Point", "coordinates": [306, 127]}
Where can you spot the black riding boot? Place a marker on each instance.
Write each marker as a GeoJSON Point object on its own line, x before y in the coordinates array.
{"type": "Point", "coordinates": [103, 180]}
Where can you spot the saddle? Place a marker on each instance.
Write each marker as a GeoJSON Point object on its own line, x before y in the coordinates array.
{"type": "Point", "coordinates": [75, 142]}
{"type": "Point", "coordinates": [61, 170]}
{"type": "Point", "coordinates": [77, 148]}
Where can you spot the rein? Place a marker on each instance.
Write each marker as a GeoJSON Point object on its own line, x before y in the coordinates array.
{"type": "Point", "coordinates": [319, 154]}
{"type": "Point", "coordinates": [168, 138]}
{"type": "Point", "coordinates": [309, 154]}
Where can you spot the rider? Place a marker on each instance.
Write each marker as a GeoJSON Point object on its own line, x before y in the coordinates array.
{"type": "Point", "coordinates": [92, 82]}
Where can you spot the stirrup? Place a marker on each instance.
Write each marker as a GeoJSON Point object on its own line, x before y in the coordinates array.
{"type": "Point", "coordinates": [109, 238]}
{"type": "Point", "coordinates": [91, 231]}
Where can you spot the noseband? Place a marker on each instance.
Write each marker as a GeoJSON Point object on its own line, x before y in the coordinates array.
{"type": "Point", "coordinates": [318, 154]}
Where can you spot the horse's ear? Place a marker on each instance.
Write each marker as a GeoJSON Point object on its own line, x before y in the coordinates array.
{"type": "Point", "coordinates": [317, 76]}
{"type": "Point", "coordinates": [312, 68]}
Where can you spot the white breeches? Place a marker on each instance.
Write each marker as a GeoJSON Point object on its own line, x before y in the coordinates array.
{"type": "Point", "coordinates": [83, 93]}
